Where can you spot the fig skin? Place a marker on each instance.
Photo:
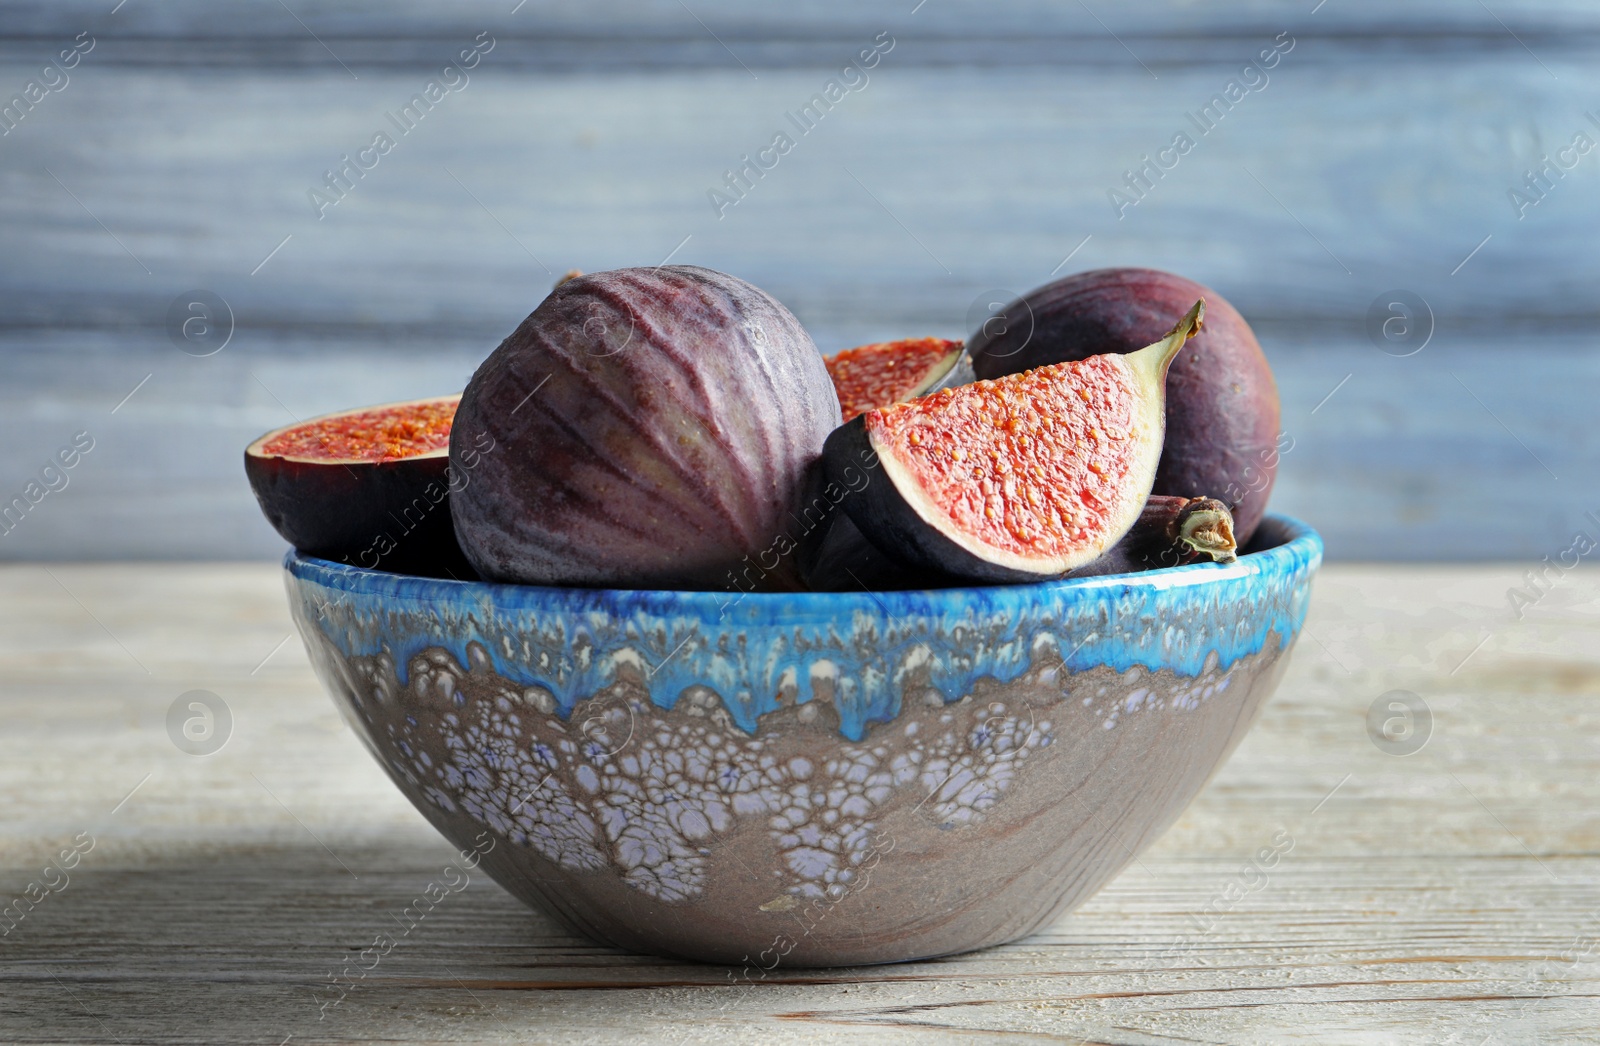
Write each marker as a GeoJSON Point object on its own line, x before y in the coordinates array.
{"type": "Point", "coordinates": [1222, 402]}
{"type": "Point", "coordinates": [843, 560]}
{"type": "Point", "coordinates": [390, 516]}
{"type": "Point", "coordinates": [653, 429]}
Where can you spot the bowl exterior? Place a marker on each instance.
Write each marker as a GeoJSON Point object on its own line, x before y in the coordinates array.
{"type": "Point", "coordinates": [813, 779]}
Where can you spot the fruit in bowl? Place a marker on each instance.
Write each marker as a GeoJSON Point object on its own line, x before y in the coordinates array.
{"type": "Point", "coordinates": [671, 753]}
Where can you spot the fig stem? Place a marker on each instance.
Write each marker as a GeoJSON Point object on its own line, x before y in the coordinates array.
{"type": "Point", "coordinates": [1154, 359]}
{"type": "Point", "coordinates": [1208, 530]}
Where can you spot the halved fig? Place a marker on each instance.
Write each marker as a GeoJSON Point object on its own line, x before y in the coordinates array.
{"type": "Point", "coordinates": [1021, 478]}
{"type": "Point", "coordinates": [369, 487]}
{"type": "Point", "coordinates": [888, 372]}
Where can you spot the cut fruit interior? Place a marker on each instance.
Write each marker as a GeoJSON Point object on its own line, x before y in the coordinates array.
{"type": "Point", "coordinates": [887, 372]}
{"type": "Point", "coordinates": [1024, 476]}
{"type": "Point", "coordinates": [417, 428]}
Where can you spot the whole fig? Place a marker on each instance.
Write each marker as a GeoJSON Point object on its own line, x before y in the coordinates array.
{"type": "Point", "coordinates": [650, 428]}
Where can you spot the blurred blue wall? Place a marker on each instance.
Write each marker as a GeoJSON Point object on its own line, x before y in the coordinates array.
{"type": "Point", "coordinates": [1435, 154]}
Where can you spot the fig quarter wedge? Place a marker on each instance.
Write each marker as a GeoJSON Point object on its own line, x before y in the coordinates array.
{"type": "Point", "coordinates": [1021, 478]}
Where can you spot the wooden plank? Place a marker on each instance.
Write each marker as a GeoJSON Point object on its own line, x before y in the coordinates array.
{"type": "Point", "coordinates": [1335, 183]}
{"type": "Point", "coordinates": [1441, 894]}
{"type": "Point", "coordinates": [343, 19]}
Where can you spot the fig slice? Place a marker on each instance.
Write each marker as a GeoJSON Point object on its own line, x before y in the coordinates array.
{"type": "Point", "coordinates": [367, 486]}
{"type": "Point", "coordinates": [1170, 532]}
{"type": "Point", "coordinates": [887, 372]}
{"type": "Point", "coordinates": [1021, 478]}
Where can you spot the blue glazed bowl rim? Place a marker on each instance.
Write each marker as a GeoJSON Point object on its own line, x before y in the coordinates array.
{"type": "Point", "coordinates": [1300, 549]}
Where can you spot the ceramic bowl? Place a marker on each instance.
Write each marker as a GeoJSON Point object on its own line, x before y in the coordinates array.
{"type": "Point", "coordinates": [813, 779]}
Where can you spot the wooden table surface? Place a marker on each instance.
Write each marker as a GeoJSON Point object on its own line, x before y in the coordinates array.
{"type": "Point", "coordinates": [1446, 896]}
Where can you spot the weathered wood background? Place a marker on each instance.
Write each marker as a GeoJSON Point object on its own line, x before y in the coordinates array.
{"type": "Point", "coordinates": [979, 157]}
{"type": "Point", "coordinates": [1448, 896]}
